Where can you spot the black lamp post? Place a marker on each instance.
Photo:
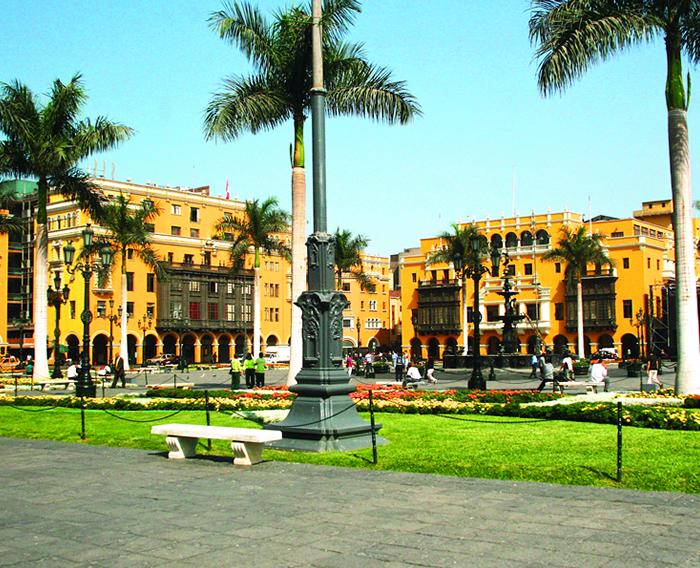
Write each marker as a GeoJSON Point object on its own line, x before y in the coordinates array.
{"type": "Point", "coordinates": [638, 322]}
{"type": "Point", "coordinates": [84, 385]}
{"type": "Point", "coordinates": [144, 324]}
{"type": "Point", "coordinates": [475, 270]}
{"type": "Point", "coordinates": [511, 344]}
{"type": "Point", "coordinates": [322, 417]}
{"type": "Point", "coordinates": [184, 324]}
{"type": "Point", "coordinates": [57, 297]}
{"type": "Point", "coordinates": [112, 318]}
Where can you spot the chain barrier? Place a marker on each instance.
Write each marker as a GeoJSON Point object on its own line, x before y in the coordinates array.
{"type": "Point", "coordinates": [523, 421]}
{"type": "Point", "coordinates": [141, 421]}
{"type": "Point", "coordinates": [34, 410]}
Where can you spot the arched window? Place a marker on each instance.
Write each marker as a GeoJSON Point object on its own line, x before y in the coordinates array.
{"type": "Point", "coordinates": [526, 239]}
{"type": "Point", "coordinates": [511, 240]}
{"type": "Point", "coordinates": [496, 241]}
{"type": "Point", "coordinates": [542, 237]}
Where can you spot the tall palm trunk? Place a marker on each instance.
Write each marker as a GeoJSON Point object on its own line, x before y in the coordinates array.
{"type": "Point", "coordinates": [124, 341]}
{"type": "Point", "coordinates": [256, 306]}
{"type": "Point", "coordinates": [41, 269]}
{"type": "Point", "coordinates": [298, 246]}
{"type": "Point", "coordinates": [579, 318]}
{"type": "Point", "coordinates": [688, 338]}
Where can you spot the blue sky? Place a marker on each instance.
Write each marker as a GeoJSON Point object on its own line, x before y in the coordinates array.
{"type": "Point", "coordinates": [153, 65]}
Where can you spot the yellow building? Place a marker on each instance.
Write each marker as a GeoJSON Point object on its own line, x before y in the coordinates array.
{"type": "Point", "coordinates": [204, 310]}
{"type": "Point", "coordinates": [366, 320]}
{"type": "Point", "coordinates": [613, 296]}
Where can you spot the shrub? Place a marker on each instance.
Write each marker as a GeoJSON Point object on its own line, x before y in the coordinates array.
{"type": "Point", "coordinates": [692, 401]}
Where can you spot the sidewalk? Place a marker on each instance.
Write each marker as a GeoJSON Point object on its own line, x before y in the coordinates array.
{"type": "Point", "coordinates": [75, 505]}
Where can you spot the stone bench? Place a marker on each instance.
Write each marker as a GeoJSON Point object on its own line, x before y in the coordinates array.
{"type": "Point", "coordinates": [247, 443]}
{"type": "Point", "coordinates": [65, 383]}
{"type": "Point", "coordinates": [590, 386]}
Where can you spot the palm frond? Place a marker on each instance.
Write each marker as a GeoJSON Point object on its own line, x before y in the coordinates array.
{"type": "Point", "coordinates": [244, 104]}
{"type": "Point", "coordinates": [243, 25]}
{"type": "Point", "coordinates": [364, 90]}
{"type": "Point", "coordinates": [19, 114]}
{"type": "Point", "coordinates": [10, 224]}
{"type": "Point", "coordinates": [572, 35]}
{"type": "Point", "coordinates": [151, 259]}
{"type": "Point", "coordinates": [99, 136]}
{"type": "Point", "coordinates": [61, 112]}
{"type": "Point", "coordinates": [75, 185]}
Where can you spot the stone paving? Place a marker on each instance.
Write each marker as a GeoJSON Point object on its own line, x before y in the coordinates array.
{"type": "Point", "coordinates": [76, 505]}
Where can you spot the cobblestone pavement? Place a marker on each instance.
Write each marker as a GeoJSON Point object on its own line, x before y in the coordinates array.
{"type": "Point", "coordinates": [75, 505]}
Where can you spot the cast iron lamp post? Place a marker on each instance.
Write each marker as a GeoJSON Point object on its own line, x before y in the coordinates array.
{"type": "Point", "coordinates": [84, 385]}
{"type": "Point", "coordinates": [57, 297]}
{"type": "Point", "coordinates": [322, 417]}
{"type": "Point", "coordinates": [112, 318]}
{"type": "Point", "coordinates": [511, 344]}
{"type": "Point", "coordinates": [144, 324]}
{"type": "Point", "coordinates": [638, 322]}
{"type": "Point", "coordinates": [475, 270]}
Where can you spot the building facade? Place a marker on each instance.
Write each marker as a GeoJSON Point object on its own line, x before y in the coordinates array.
{"type": "Point", "coordinates": [626, 306]}
{"type": "Point", "coordinates": [203, 310]}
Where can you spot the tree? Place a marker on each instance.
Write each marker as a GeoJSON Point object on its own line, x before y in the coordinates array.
{"type": "Point", "coordinates": [348, 260]}
{"type": "Point", "coordinates": [457, 247]}
{"type": "Point", "coordinates": [46, 142]}
{"type": "Point", "coordinates": [10, 223]}
{"type": "Point", "coordinates": [571, 35]}
{"type": "Point", "coordinates": [258, 229]}
{"type": "Point", "coordinates": [279, 90]}
{"type": "Point", "coordinates": [578, 249]}
{"type": "Point", "coordinates": [127, 230]}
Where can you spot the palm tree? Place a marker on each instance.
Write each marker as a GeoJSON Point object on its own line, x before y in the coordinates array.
{"type": "Point", "coordinates": [126, 230]}
{"type": "Point", "coordinates": [279, 90]}
{"type": "Point", "coordinates": [258, 228]}
{"type": "Point", "coordinates": [457, 250]}
{"type": "Point", "coordinates": [46, 142]}
{"type": "Point", "coordinates": [573, 34]}
{"type": "Point", "coordinates": [577, 249]}
{"type": "Point", "coordinates": [10, 223]}
{"type": "Point", "coordinates": [348, 260]}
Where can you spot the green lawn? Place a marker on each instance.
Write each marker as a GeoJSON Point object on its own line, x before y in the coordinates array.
{"type": "Point", "coordinates": [471, 446]}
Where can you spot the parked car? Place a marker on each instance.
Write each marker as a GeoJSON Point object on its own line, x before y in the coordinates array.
{"type": "Point", "coordinates": [8, 363]}
{"type": "Point", "coordinates": [607, 353]}
{"type": "Point", "coordinates": [164, 359]}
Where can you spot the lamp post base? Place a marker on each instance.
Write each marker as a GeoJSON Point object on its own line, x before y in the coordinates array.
{"type": "Point", "coordinates": [323, 417]}
{"type": "Point", "coordinates": [477, 381]}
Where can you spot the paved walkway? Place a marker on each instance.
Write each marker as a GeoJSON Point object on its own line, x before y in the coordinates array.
{"type": "Point", "coordinates": [74, 505]}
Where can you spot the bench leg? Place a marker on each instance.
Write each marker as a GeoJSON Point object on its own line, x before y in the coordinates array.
{"type": "Point", "coordinates": [181, 448]}
{"type": "Point", "coordinates": [246, 453]}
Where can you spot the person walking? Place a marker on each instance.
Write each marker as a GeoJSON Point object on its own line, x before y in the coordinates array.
{"type": "Point", "coordinates": [235, 373]}
{"type": "Point", "coordinates": [534, 363]}
{"type": "Point", "coordinates": [349, 363]}
{"type": "Point", "coordinates": [567, 367]}
{"type": "Point", "coordinates": [249, 368]}
{"type": "Point", "coordinates": [260, 370]}
{"type": "Point", "coordinates": [653, 365]}
{"type": "Point", "coordinates": [119, 374]}
{"type": "Point", "coordinates": [547, 373]}
{"type": "Point", "coordinates": [430, 369]}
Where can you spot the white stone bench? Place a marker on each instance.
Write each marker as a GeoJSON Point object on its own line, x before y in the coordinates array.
{"type": "Point", "coordinates": [590, 386]}
{"type": "Point", "coordinates": [247, 443]}
{"type": "Point", "coordinates": [65, 383]}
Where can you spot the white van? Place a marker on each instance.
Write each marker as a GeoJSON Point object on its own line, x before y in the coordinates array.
{"type": "Point", "coordinates": [277, 354]}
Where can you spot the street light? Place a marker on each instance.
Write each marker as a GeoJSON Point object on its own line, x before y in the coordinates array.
{"type": "Point", "coordinates": [57, 297]}
{"type": "Point", "coordinates": [84, 385]}
{"type": "Point", "coordinates": [112, 318]}
{"type": "Point", "coordinates": [144, 324]}
{"type": "Point", "coordinates": [638, 322]}
{"type": "Point", "coordinates": [475, 270]}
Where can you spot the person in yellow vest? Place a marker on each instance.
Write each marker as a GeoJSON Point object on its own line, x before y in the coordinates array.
{"type": "Point", "coordinates": [260, 371]}
{"type": "Point", "coordinates": [235, 373]}
{"type": "Point", "coordinates": [249, 368]}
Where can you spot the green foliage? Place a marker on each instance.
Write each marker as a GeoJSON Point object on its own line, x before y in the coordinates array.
{"type": "Point", "coordinates": [692, 401]}
{"type": "Point", "coordinates": [380, 367]}
{"type": "Point", "coordinates": [348, 260]}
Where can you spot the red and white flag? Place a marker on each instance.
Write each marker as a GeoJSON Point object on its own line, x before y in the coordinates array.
{"type": "Point", "coordinates": [227, 195]}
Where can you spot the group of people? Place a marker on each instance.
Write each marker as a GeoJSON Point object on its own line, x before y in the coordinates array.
{"type": "Point", "coordinates": [119, 375]}
{"type": "Point", "coordinates": [252, 369]}
{"type": "Point", "coordinates": [597, 372]}
{"type": "Point", "coordinates": [404, 369]}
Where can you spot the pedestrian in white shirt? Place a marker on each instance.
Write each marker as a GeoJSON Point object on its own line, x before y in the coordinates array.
{"type": "Point", "coordinates": [599, 373]}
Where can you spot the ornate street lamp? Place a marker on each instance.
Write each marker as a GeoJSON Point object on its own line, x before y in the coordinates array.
{"type": "Point", "coordinates": [474, 270]}
{"type": "Point", "coordinates": [511, 344]}
{"type": "Point", "coordinates": [144, 324]}
{"type": "Point", "coordinates": [322, 417]}
{"type": "Point", "coordinates": [84, 385]}
{"type": "Point", "coordinates": [112, 318]}
{"type": "Point", "coordinates": [57, 297]}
